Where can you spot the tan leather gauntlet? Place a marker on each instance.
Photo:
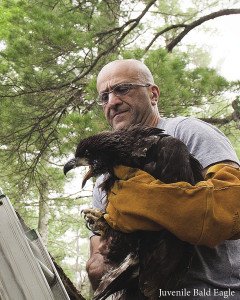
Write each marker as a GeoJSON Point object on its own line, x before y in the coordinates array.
{"type": "Point", "coordinates": [204, 214]}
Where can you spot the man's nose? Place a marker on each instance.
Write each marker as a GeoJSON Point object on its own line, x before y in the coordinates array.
{"type": "Point", "coordinates": [113, 100]}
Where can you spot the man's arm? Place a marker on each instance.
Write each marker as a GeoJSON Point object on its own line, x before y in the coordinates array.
{"type": "Point", "coordinates": [205, 214]}
{"type": "Point", "coordinates": [96, 265]}
{"type": "Point", "coordinates": [227, 162]}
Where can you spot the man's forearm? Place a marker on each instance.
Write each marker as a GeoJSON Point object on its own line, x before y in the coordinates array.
{"type": "Point", "coordinates": [97, 266]}
{"type": "Point", "coordinates": [205, 214]}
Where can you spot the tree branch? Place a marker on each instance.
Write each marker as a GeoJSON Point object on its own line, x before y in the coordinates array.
{"type": "Point", "coordinates": [162, 32]}
{"type": "Point", "coordinates": [235, 116]}
{"type": "Point", "coordinates": [218, 121]}
{"type": "Point", "coordinates": [198, 22]}
{"type": "Point", "coordinates": [113, 46]}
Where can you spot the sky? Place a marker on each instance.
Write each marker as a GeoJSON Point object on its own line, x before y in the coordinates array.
{"type": "Point", "coordinates": [223, 42]}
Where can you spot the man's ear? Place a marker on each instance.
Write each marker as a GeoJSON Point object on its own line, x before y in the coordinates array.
{"type": "Point", "coordinates": [155, 93]}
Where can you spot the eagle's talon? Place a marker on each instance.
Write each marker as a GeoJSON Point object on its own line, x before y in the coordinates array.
{"type": "Point", "coordinates": [94, 220]}
{"type": "Point", "coordinates": [95, 213]}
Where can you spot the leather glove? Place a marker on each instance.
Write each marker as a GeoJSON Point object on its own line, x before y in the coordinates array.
{"type": "Point", "coordinates": [204, 214]}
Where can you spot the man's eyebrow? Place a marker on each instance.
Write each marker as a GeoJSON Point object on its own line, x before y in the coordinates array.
{"type": "Point", "coordinates": [109, 88]}
{"type": "Point", "coordinates": [106, 90]}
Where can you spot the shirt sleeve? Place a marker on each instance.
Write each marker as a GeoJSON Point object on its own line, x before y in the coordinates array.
{"type": "Point", "coordinates": [99, 196]}
{"type": "Point", "coordinates": [205, 141]}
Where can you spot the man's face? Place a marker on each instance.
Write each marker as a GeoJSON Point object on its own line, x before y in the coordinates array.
{"type": "Point", "coordinates": [135, 107]}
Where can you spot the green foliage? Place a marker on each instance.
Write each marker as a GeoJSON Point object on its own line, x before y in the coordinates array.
{"type": "Point", "coordinates": [182, 87]}
{"type": "Point", "coordinates": [53, 51]}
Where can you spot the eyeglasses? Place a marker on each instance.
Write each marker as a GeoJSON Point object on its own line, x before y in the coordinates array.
{"type": "Point", "coordinates": [119, 90]}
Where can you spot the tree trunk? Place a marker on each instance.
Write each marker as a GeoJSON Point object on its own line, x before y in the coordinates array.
{"type": "Point", "coordinates": [44, 213]}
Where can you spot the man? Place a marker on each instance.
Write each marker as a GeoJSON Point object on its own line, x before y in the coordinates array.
{"type": "Point", "coordinates": [129, 96]}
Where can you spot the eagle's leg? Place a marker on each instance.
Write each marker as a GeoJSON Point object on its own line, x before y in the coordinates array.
{"type": "Point", "coordinates": [95, 220]}
{"type": "Point", "coordinates": [92, 213]}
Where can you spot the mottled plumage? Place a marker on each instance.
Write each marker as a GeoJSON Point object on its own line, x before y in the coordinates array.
{"type": "Point", "coordinates": [160, 259]}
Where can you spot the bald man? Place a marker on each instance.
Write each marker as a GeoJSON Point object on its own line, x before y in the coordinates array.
{"type": "Point", "coordinates": [139, 105]}
{"type": "Point", "coordinates": [129, 96]}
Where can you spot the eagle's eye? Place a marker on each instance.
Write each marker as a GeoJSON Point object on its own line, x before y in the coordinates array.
{"type": "Point", "coordinates": [82, 161]}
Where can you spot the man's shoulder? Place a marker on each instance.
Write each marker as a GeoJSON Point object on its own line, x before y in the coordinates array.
{"type": "Point", "coordinates": [205, 141]}
{"type": "Point", "coordinates": [165, 122]}
{"type": "Point", "coordinates": [171, 125]}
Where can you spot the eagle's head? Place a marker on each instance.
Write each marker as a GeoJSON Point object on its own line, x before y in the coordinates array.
{"type": "Point", "coordinates": [90, 152]}
{"type": "Point", "coordinates": [83, 157]}
{"type": "Point", "coordinates": [134, 147]}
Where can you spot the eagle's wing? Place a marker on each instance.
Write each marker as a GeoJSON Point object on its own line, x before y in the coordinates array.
{"type": "Point", "coordinates": [141, 147]}
{"type": "Point", "coordinates": [163, 260]}
{"type": "Point", "coordinates": [117, 279]}
{"type": "Point", "coordinates": [145, 138]}
{"type": "Point", "coordinates": [174, 162]}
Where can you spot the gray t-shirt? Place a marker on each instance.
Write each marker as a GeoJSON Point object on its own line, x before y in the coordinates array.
{"type": "Point", "coordinates": [207, 143]}
{"type": "Point", "coordinates": [214, 273]}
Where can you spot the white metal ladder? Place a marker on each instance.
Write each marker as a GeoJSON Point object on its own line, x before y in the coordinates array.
{"type": "Point", "coordinates": [26, 269]}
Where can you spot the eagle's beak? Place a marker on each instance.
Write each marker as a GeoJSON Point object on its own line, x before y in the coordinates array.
{"type": "Point", "coordinates": [78, 162]}
{"type": "Point", "coordinates": [74, 163]}
{"type": "Point", "coordinates": [88, 175]}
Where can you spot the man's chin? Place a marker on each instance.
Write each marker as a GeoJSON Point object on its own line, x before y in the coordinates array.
{"type": "Point", "coordinates": [123, 121]}
{"type": "Point", "coordinates": [118, 124]}
{"type": "Point", "coordinates": [121, 126]}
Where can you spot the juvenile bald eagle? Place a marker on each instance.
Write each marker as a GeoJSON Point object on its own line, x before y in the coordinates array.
{"type": "Point", "coordinates": [146, 261]}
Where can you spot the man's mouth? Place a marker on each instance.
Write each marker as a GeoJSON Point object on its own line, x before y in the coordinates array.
{"type": "Point", "coordinates": [118, 113]}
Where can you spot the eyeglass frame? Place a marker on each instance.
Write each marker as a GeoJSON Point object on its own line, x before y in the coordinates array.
{"type": "Point", "coordinates": [130, 87]}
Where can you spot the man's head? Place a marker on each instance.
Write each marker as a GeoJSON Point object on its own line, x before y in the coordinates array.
{"type": "Point", "coordinates": [128, 93]}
